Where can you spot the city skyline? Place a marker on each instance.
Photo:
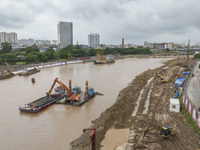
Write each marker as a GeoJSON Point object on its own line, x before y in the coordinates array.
{"type": "Point", "coordinates": [136, 21]}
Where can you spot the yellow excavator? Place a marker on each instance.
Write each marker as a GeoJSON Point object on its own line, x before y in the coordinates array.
{"type": "Point", "coordinates": [162, 79]}
{"type": "Point", "coordinates": [70, 56]}
{"type": "Point", "coordinates": [164, 131]}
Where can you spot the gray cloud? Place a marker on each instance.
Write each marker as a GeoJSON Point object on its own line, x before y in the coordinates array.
{"type": "Point", "coordinates": [134, 20]}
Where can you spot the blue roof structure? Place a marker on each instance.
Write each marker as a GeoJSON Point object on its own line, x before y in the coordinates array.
{"type": "Point", "coordinates": [186, 72]}
{"type": "Point", "coordinates": [179, 82]}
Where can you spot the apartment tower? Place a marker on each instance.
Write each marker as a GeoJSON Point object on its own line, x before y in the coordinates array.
{"type": "Point", "coordinates": [8, 37]}
{"type": "Point", "coordinates": [65, 33]}
{"type": "Point", "coordinates": [93, 39]}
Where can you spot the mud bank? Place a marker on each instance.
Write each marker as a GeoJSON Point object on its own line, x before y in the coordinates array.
{"type": "Point", "coordinates": [120, 116]}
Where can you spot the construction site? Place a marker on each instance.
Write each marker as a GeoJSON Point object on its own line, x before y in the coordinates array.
{"type": "Point", "coordinates": [143, 108]}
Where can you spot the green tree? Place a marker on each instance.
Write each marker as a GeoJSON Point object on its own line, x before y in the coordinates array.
{"type": "Point", "coordinates": [197, 56]}
{"type": "Point", "coordinates": [31, 58]}
{"type": "Point", "coordinates": [32, 48]}
{"type": "Point", "coordinates": [78, 46]}
{"type": "Point", "coordinates": [62, 55]}
{"type": "Point", "coordinates": [69, 47]}
{"type": "Point", "coordinates": [9, 57]}
{"type": "Point", "coordinates": [167, 50]}
{"type": "Point", "coordinates": [42, 57]}
{"type": "Point", "coordinates": [6, 48]}
{"type": "Point", "coordinates": [50, 49]}
{"type": "Point", "coordinates": [50, 55]}
{"type": "Point", "coordinates": [91, 52]}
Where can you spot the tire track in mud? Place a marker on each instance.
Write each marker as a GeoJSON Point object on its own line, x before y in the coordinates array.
{"type": "Point", "coordinates": [173, 142]}
{"type": "Point", "coordinates": [180, 144]}
{"type": "Point", "coordinates": [161, 109]}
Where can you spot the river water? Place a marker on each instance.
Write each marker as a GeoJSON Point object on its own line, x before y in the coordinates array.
{"type": "Point", "coordinates": [56, 126]}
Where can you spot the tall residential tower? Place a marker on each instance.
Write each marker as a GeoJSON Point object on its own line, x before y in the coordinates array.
{"type": "Point", "coordinates": [8, 37]}
{"type": "Point", "coordinates": [93, 39]}
{"type": "Point", "coordinates": [65, 33]}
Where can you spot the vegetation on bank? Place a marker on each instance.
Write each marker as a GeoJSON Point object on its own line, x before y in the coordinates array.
{"type": "Point", "coordinates": [197, 56]}
{"type": "Point", "coordinates": [189, 117]}
{"type": "Point", "coordinates": [32, 53]}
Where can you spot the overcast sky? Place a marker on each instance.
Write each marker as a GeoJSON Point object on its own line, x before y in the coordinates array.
{"type": "Point", "coordinates": [134, 20]}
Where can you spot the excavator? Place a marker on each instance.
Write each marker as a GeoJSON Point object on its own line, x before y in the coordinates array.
{"type": "Point", "coordinates": [164, 131]}
{"type": "Point", "coordinates": [70, 97]}
{"type": "Point", "coordinates": [70, 56]}
{"type": "Point", "coordinates": [162, 79]}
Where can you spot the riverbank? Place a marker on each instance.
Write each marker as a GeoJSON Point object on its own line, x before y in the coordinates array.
{"type": "Point", "coordinates": [14, 68]}
{"type": "Point", "coordinates": [121, 114]}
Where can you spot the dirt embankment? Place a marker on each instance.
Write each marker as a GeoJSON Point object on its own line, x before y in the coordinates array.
{"type": "Point", "coordinates": [120, 114]}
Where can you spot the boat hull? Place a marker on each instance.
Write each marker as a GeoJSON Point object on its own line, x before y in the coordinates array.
{"type": "Point", "coordinates": [43, 106]}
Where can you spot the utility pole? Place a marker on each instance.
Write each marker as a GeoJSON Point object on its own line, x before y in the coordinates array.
{"type": "Point", "coordinates": [188, 54]}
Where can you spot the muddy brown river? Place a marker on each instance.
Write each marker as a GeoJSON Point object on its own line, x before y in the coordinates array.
{"type": "Point", "coordinates": [55, 127]}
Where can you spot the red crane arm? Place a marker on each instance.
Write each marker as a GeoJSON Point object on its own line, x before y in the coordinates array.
{"type": "Point", "coordinates": [52, 86]}
{"type": "Point", "coordinates": [64, 86]}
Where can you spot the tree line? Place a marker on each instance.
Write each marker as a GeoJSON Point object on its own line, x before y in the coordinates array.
{"type": "Point", "coordinates": [32, 53]}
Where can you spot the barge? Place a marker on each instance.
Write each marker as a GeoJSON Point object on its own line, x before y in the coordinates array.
{"type": "Point", "coordinates": [44, 102]}
{"type": "Point", "coordinates": [104, 60]}
{"type": "Point", "coordinates": [83, 97]}
{"type": "Point", "coordinates": [73, 96]}
{"type": "Point", "coordinates": [78, 97]}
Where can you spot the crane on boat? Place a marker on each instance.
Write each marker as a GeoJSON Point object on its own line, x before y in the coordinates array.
{"type": "Point", "coordinates": [71, 96]}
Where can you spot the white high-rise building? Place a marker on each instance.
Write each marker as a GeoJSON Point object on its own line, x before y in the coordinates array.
{"type": "Point", "coordinates": [93, 39]}
{"type": "Point", "coordinates": [65, 33]}
{"type": "Point", "coordinates": [8, 37]}
{"type": "Point", "coordinates": [3, 37]}
{"type": "Point", "coordinates": [12, 37]}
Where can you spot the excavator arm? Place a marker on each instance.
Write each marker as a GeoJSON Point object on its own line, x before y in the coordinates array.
{"type": "Point", "coordinates": [147, 129]}
{"type": "Point", "coordinates": [69, 55]}
{"type": "Point", "coordinates": [164, 131]}
{"type": "Point", "coordinates": [59, 82]}
{"type": "Point", "coordinates": [56, 79]}
{"type": "Point", "coordinates": [64, 87]}
{"type": "Point", "coordinates": [74, 96]}
{"type": "Point", "coordinates": [162, 78]}
{"type": "Point", "coordinates": [159, 75]}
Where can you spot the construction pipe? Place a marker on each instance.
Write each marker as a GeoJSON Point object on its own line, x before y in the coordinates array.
{"type": "Point", "coordinates": [70, 86]}
{"type": "Point", "coordinates": [92, 138]}
{"type": "Point", "coordinates": [86, 87]}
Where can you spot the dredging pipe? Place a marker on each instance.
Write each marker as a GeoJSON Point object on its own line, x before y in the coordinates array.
{"type": "Point", "coordinates": [92, 138]}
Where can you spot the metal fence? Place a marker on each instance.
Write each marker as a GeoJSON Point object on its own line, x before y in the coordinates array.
{"type": "Point", "coordinates": [192, 109]}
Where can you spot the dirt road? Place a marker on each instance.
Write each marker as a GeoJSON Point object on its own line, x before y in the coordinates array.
{"type": "Point", "coordinates": [120, 114]}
